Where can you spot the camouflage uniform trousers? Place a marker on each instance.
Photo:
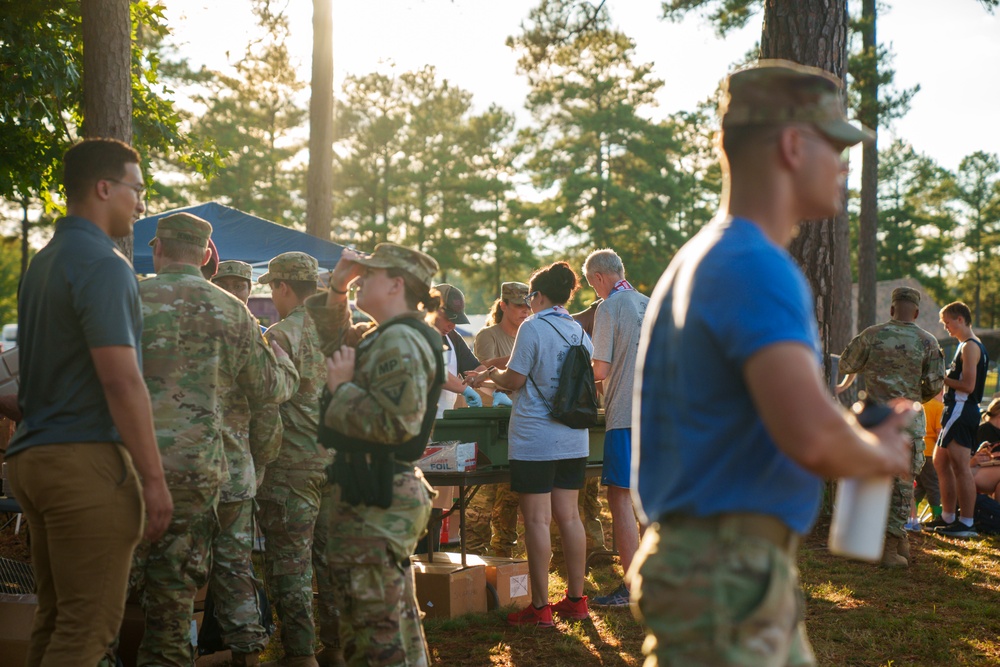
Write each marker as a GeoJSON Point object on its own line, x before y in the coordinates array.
{"type": "Point", "coordinates": [491, 521]}
{"type": "Point", "coordinates": [289, 502]}
{"type": "Point", "coordinates": [710, 596]}
{"type": "Point", "coordinates": [168, 573]}
{"type": "Point", "coordinates": [369, 556]}
{"type": "Point", "coordinates": [590, 514]}
{"type": "Point", "coordinates": [902, 493]}
{"type": "Point", "coordinates": [232, 582]}
{"type": "Point", "coordinates": [329, 614]}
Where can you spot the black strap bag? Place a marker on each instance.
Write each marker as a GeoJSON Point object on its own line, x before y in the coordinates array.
{"type": "Point", "coordinates": [575, 400]}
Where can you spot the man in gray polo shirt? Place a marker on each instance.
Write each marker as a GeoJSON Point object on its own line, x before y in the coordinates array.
{"type": "Point", "coordinates": [87, 416]}
{"type": "Point", "coordinates": [617, 325]}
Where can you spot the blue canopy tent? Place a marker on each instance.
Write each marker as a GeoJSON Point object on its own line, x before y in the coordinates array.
{"type": "Point", "coordinates": [238, 235]}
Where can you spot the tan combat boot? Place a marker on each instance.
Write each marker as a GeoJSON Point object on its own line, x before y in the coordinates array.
{"type": "Point", "coordinates": [904, 547]}
{"type": "Point", "coordinates": [331, 657]}
{"type": "Point", "coordinates": [245, 659]}
{"type": "Point", "coordinates": [293, 661]}
{"type": "Point", "coordinates": [890, 554]}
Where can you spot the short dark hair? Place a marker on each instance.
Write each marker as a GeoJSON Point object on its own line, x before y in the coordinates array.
{"type": "Point", "coordinates": [94, 160]}
{"type": "Point", "coordinates": [734, 141]}
{"type": "Point", "coordinates": [558, 282]}
{"type": "Point", "coordinates": [181, 251]}
{"type": "Point", "coordinates": [303, 288]}
{"type": "Point", "coordinates": [957, 309]}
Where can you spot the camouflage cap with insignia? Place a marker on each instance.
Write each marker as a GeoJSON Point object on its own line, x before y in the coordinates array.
{"type": "Point", "coordinates": [391, 256]}
{"type": "Point", "coordinates": [906, 294]}
{"type": "Point", "coordinates": [453, 302]}
{"type": "Point", "coordinates": [235, 268]}
{"type": "Point", "coordinates": [516, 292]}
{"type": "Point", "coordinates": [183, 227]}
{"type": "Point", "coordinates": [779, 91]}
{"type": "Point", "coordinates": [291, 266]}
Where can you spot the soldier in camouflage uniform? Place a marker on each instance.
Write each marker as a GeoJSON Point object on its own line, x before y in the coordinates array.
{"type": "Point", "coordinates": [898, 359]}
{"type": "Point", "coordinates": [380, 404]}
{"type": "Point", "coordinates": [247, 436]}
{"type": "Point", "coordinates": [197, 342]}
{"type": "Point", "coordinates": [294, 482]}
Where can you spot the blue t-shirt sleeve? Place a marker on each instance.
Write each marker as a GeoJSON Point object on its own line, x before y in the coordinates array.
{"type": "Point", "coordinates": [522, 357]}
{"type": "Point", "coordinates": [769, 302]}
{"type": "Point", "coordinates": [106, 301]}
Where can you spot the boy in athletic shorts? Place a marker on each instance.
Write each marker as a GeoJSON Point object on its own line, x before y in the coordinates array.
{"type": "Point", "coordinates": [964, 383]}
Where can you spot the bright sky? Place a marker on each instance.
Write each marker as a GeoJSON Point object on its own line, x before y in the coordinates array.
{"type": "Point", "coordinates": [950, 52]}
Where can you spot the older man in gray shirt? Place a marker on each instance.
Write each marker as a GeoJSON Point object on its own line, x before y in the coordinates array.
{"type": "Point", "coordinates": [617, 325]}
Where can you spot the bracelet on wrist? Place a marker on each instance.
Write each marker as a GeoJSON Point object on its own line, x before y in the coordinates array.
{"type": "Point", "coordinates": [337, 291]}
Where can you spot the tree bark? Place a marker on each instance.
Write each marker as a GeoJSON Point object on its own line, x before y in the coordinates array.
{"type": "Point", "coordinates": [814, 32]}
{"type": "Point", "coordinates": [868, 220]}
{"type": "Point", "coordinates": [319, 178]}
{"type": "Point", "coordinates": [107, 75]}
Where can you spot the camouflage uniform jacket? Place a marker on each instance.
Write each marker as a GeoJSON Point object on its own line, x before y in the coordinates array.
{"type": "Point", "coordinates": [387, 399]}
{"type": "Point", "coordinates": [897, 360]}
{"type": "Point", "coordinates": [296, 335]}
{"type": "Point", "coordinates": [197, 342]}
{"type": "Point", "coordinates": [246, 433]}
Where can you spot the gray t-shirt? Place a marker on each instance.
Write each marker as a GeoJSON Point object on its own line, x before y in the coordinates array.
{"type": "Point", "coordinates": [617, 325]}
{"type": "Point", "coordinates": [539, 352]}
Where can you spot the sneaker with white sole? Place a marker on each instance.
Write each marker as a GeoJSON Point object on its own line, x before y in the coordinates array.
{"type": "Point", "coordinates": [913, 526]}
{"type": "Point", "coordinates": [957, 529]}
{"type": "Point", "coordinates": [616, 598]}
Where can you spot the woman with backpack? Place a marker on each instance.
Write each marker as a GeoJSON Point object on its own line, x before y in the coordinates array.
{"type": "Point", "coordinates": [548, 459]}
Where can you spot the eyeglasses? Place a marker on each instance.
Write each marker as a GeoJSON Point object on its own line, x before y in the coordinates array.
{"type": "Point", "coordinates": [528, 299]}
{"type": "Point", "coordinates": [138, 188]}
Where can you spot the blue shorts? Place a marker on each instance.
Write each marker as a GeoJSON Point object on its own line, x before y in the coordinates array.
{"type": "Point", "coordinates": [617, 468]}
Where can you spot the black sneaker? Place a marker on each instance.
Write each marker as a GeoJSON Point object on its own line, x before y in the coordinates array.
{"type": "Point", "coordinates": [957, 529]}
{"type": "Point", "coordinates": [935, 524]}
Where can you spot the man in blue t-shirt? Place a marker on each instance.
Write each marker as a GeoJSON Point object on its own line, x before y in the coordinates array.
{"type": "Point", "coordinates": [87, 416]}
{"type": "Point", "coordinates": [735, 425]}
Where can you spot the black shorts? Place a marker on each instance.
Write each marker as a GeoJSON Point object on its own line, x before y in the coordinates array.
{"type": "Point", "coordinates": [959, 424]}
{"type": "Point", "coordinates": [543, 476]}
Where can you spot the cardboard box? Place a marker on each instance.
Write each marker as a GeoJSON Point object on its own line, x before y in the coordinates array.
{"type": "Point", "coordinates": [508, 576]}
{"type": "Point", "coordinates": [17, 615]}
{"type": "Point", "coordinates": [448, 457]}
{"type": "Point", "coordinates": [446, 591]}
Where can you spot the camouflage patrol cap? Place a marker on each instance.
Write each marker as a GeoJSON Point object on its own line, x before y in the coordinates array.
{"type": "Point", "coordinates": [291, 266]}
{"type": "Point", "coordinates": [183, 227]}
{"type": "Point", "coordinates": [391, 256]}
{"type": "Point", "coordinates": [453, 302]}
{"type": "Point", "coordinates": [235, 268]}
{"type": "Point", "coordinates": [906, 294]}
{"type": "Point", "coordinates": [779, 91]}
{"type": "Point", "coordinates": [516, 292]}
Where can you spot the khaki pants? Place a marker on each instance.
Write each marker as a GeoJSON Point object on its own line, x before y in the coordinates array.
{"type": "Point", "coordinates": [84, 508]}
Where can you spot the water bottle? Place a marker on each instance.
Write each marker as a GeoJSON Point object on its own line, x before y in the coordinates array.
{"type": "Point", "coordinates": [861, 508]}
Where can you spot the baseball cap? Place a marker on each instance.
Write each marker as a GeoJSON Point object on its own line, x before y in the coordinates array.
{"type": "Point", "coordinates": [391, 256]}
{"type": "Point", "coordinates": [453, 302]}
{"type": "Point", "coordinates": [514, 292]}
{"type": "Point", "coordinates": [234, 267]}
{"type": "Point", "coordinates": [906, 294]}
{"type": "Point", "coordinates": [291, 266]}
{"type": "Point", "coordinates": [780, 91]}
{"type": "Point", "coordinates": [183, 227]}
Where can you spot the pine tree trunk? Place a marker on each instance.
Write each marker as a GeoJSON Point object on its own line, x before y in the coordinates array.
{"type": "Point", "coordinates": [868, 220]}
{"type": "Point", "coordinates": [814, 32]}
{"type": "Point", "coordinates": [107, 76]}
{"type": "Point", "coordinates": [319, 178]}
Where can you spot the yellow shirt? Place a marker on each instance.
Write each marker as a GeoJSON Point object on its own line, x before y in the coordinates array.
{"type": "Point", "coordinates": [932, 411]}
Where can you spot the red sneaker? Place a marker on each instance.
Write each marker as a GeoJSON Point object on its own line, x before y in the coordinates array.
{"type": "Point", "coordinates": [575, 610]}
{"type": "Point", "coordinates": [531, 616]}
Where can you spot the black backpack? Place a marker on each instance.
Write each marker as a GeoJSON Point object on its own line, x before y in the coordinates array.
{"type": "Point", "coordinates": [575, 400]}
{"type": "Point", "coordinates": [987, 515]}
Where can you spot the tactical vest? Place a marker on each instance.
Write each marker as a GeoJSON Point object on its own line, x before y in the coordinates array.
{"type": "Point", "coordinates": [364, 468]}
